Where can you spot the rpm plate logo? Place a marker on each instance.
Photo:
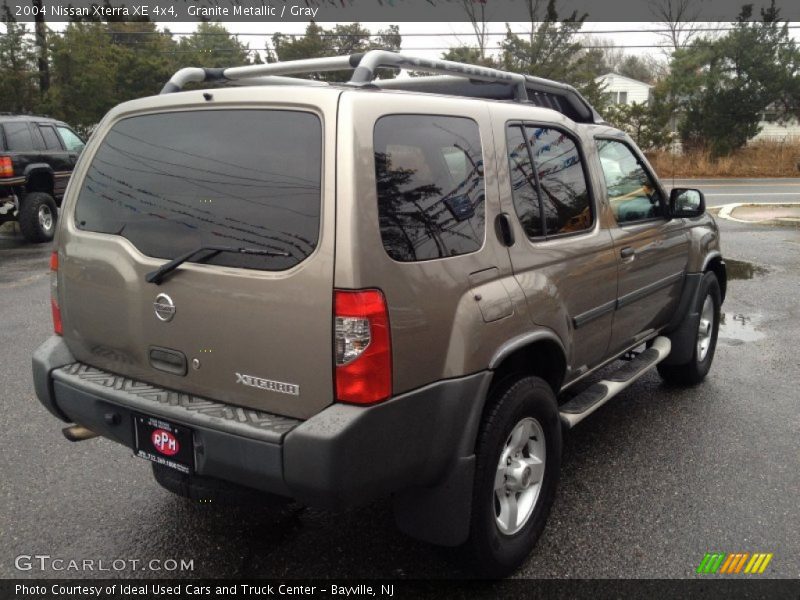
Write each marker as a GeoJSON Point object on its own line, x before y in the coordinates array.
{"type": "Point", "coordinates": [165, 442]}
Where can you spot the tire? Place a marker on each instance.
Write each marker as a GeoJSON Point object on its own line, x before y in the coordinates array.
{"type": "Point", "coordinates": [695, 370]}
{"type": "Point", "coordinates": [37, 217]}
{"type": "Point", "coordinates": [498, 544]}
{"type": "Point", "coordinates": [214, 491]}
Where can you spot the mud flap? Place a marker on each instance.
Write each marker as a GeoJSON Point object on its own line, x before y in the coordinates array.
{"type": "Point", "coordinates": [682, 329]}
{"type": "Point", "coordinates": [440, 514]}
{"type": "Point", "coordinates": [683, 340]}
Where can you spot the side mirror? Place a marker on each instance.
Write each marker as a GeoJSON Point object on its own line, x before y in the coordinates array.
{"type": "Point", "coordinates": [686, 202]}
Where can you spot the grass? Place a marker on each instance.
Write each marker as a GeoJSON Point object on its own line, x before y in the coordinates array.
{"type": "Point", "coordinates": [759, 159]}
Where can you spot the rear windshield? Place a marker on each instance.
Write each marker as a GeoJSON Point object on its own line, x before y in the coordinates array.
{"type": "Point", "coordinates": [173, 182]}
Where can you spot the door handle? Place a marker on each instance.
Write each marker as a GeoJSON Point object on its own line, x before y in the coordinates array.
{"type": "Point", "coordinates": [502, 227]}
{"type": "Point", "coordinates": [627, 252]}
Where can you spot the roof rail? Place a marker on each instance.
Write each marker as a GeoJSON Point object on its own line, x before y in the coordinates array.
{"type": "Point", "coordinates": [462, 79]}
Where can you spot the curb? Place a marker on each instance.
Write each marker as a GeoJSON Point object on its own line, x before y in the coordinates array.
{"type": "Point", "coordinates": [724, 212]}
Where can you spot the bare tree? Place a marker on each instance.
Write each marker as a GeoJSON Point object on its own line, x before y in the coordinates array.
{"type": "Point", "coordinates": [476, 13]}
{"type": "Point", "coordinates": [679, 18]}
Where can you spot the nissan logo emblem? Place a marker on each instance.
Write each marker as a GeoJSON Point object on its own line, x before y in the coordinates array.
{"type": "Point", "coordinates": [165, 308]}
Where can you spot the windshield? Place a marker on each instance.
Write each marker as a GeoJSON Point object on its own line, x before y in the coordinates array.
{"type": "Point", "coordinates": [173, 182]}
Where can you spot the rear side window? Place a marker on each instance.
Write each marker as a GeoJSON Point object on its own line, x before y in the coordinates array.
{"type": "Point", "coordinates": [173, 182]}
{"type": "Point", "coordinates": [18, 137]}
{"type": "Point", "coordinates": [548, 181]}
{"type": "Point", "coordinates": [51, 141]}
{"type": "Point", "coordinates": [431, 194]}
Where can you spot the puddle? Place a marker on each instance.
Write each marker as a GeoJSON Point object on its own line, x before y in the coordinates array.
{"type": "Point", "coordinates": [739, 269]}
{"type": "Point", "coordinates": [736, 329]}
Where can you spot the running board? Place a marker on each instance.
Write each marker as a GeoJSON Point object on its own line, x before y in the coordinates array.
{"type": "Point", "coordinates": [588, 401]}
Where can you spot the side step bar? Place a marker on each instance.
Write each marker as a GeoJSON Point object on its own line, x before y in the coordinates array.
{"type": "Point", "coordinates": [588, 401]}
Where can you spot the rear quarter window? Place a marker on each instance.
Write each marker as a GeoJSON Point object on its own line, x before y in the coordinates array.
{"type": "Point", "coordinates": [430, 187]}
{"type": "Point", "coordinates": [173, 182]}
{"type": "Point", "coordinates": [18, 137]}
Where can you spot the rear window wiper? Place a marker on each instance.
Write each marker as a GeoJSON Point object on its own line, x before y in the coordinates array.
{"type": "Point", "coordinates": [158, 275]}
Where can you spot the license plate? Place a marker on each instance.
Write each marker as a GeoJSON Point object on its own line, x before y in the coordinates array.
{"type": "Point", "coordinates": [164, 443]}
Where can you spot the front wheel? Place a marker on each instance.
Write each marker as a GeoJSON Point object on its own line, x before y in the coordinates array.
{"type": "Point", "coordinates": [518, 458]}
{"type": "Point", "coordinates": [705, 341]}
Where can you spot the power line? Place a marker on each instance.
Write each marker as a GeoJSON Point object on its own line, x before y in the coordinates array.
{"type": "Point", "coordinates": [329, 34]}
{"type": "Point", "coordinates": [421, 49]}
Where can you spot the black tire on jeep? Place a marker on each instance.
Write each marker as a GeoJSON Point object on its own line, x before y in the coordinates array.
{"type": "Point", "coordinates": [208, 490]}
{"type": "Point", "coordinates": [709, 300]}
{"type": "Point", "coordinates": [518, 458]}
{"type": "Point", "coordinates": [37, 217]}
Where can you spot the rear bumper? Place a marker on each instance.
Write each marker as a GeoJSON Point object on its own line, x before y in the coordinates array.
{"type": "Point", "coordinates": [344, 456]}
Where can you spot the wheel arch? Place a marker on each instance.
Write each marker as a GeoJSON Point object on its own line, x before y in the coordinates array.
{"type": "Point", "coordinates": [540, 353]}
{"type": "Point", "coordinates": [39, 178]}
{"type": "Point", "coordinates": [716, 265]}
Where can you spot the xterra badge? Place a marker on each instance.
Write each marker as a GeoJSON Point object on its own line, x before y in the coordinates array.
{"type": "Point", "coordinates": [268, 384]}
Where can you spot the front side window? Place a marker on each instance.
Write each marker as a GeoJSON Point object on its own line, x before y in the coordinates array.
{"type": "Point", "coordinates": [632, 193]}
{"type": "Point", "coordinates": [429, 178]}
{"type": "Point", "coordinates": [71, 140]}
{"type": "Point", "coordinates": [548, 181]}
{"type": "Point", "coordinates": [172, 182]}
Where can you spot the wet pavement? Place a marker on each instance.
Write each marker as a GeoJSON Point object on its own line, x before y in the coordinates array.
{"type": "Point", "coordinates": [650, 483]}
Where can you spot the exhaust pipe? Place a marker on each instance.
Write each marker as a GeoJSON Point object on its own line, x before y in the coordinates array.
{"type": "Point", "coordinates": [78, 433]}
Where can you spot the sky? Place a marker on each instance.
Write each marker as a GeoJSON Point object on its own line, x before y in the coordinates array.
{"type": "Point", "coordinates": [457, 33]}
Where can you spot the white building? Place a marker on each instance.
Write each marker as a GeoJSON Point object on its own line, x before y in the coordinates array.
{"type": "Point", "coordinates": [771, 130]}
{"type": "Point", "coordinates": [624, 90]}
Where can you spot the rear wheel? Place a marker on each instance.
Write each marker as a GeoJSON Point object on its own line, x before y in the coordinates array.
{"type": "Point", "coordinates": [37, 217]}
{"type": "Point", "coordinates": [705, 342]}
{"type": "Point", "coordinates": [518, 459]}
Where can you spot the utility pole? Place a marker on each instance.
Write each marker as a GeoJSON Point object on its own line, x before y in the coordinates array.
{"type": "Point", "coordinates": [41, 45]}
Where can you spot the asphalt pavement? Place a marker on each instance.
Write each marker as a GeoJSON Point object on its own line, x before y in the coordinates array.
{"type": "Point", "coordinates": [650, 483]}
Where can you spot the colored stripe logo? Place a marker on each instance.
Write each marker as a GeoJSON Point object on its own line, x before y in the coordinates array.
{"type": "Point", "coordinates": [734, 563]}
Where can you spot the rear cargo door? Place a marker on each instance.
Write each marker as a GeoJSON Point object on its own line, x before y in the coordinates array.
{"type": "Point", "coordinates": [249, 329]}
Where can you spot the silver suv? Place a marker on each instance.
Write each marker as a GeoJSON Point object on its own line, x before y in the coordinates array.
{"type": "Point", "coordinates": [341, 292]}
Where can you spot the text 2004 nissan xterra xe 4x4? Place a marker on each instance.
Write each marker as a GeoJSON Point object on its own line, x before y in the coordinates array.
{"type": "Point", "coordinates": [339, 292]}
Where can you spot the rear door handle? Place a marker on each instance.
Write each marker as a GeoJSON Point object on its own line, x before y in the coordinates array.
{"type": "Point", "coordinates": [503, 230]}
{"type": "Point", "coordinates": [627, 252]}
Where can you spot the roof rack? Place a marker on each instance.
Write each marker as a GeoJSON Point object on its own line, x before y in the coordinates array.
{"type": "Point", "coordinates": [460, 79]}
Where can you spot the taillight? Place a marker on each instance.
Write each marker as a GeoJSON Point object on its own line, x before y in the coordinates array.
{"type": "Point", "coordinates": [6, 167]}
{"type": "Point", "coordinates": [362, 347]}
{"type": "Point", "coordinates": [57, 327]}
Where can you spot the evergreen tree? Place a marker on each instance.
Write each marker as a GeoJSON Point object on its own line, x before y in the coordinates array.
{"type": "Point", "coordinates": [18, 69]}
{"type": "Point", "coordinates": [722, 87]}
